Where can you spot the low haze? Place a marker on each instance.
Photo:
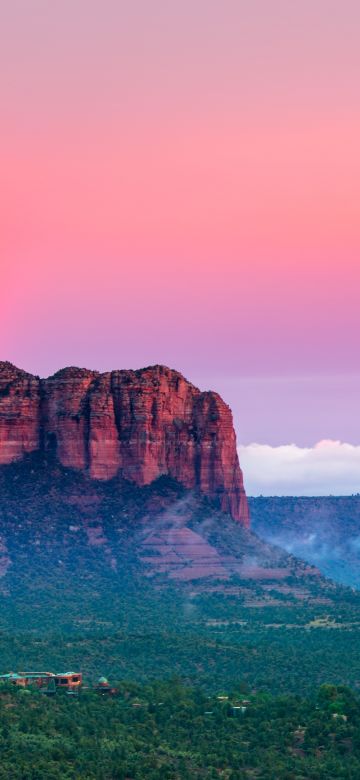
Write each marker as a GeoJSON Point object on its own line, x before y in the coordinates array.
{"type": "Point", "coordinates": [328, 468]}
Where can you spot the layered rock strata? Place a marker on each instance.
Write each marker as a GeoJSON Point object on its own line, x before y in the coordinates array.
{"type": "Point", "coordinates": [139, 424]}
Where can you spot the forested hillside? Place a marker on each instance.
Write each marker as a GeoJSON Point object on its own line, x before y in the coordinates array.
{"type": "Point", "coordinates": [170, 732]}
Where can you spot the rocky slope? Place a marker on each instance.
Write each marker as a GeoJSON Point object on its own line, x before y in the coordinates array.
{"type": "Point", "coordinates": [58, 524]}
{"type": "Point", "coordinates": [153, 581]}
{"type": "Point", "coordinates": [139, 425]}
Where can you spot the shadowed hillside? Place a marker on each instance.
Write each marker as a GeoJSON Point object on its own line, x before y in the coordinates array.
{"type": "Point", "coordinates": [144, 582]}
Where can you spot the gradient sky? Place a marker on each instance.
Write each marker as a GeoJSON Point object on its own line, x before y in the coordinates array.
{"type": "Point", "coordinates": [180, 184]}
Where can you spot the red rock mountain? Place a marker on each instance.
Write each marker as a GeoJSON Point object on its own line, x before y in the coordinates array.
{"type": "Point", "coordinates": [139, 424]}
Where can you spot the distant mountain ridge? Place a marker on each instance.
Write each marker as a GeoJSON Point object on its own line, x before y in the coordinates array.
{"type": "Point", "coordinates": [140, 425]}
{"type": "Point", "coordinates": [324, 530]}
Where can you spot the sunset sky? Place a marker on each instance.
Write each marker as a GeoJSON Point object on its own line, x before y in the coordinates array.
{"type": "Point", "coordinates": [180, 184]}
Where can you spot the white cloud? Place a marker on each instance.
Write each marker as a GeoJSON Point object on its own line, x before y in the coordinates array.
{"type": "Point", "coordinates": [330, 467]}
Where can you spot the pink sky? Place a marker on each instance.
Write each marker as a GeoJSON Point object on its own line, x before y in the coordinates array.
{"type": "Point", "coordinates": [180, 183]}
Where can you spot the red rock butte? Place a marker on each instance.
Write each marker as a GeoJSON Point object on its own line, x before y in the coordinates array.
{"type": "Point", "coordinates": [138, 424]}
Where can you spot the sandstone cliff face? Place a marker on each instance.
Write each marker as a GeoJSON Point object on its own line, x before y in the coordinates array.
{"type": "Point", "coordinates": [140, 424]}
{"type": "Point", "coordinates": [19, 413]}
